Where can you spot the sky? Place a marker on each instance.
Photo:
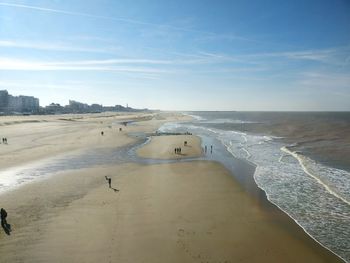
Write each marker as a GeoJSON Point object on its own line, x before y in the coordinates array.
{"type": "Point", "coordinates": [179, 55]}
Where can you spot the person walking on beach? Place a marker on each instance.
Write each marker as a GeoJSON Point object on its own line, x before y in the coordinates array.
{"type": "Point", "coordinates": [211, 149]}
{"type": "Point", "coordinates": [3, 215]}
{"type": "Point", "coordinates": [205, 149]}
{"type": "Point", "coordinates": [4, 224]}
{"type": "Point", "coordinates": [109, 179]}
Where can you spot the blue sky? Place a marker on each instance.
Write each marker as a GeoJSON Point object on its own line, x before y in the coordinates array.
{"type": "Point", "coordinates": [179, 55]}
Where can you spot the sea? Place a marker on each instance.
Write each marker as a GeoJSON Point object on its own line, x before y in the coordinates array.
{"type": "Point", "coordinates": [301, 161]}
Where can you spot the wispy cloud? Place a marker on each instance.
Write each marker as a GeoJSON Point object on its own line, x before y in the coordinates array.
{"type": "Point", "coordinates": [28, 65]}
{"type": "Point", "coordinates": [113, 61]}
{"type": "Point", "coordinates": [211, 57]}
{"type": "Point", "coordinates": [338, 56]}
{"type": "Point", "coordinates": [224, 37]}
{"type": "Point", "coordinates": [326, 80]}
{"type": "Point", "coordinates": [54, 46]}
{"type": "Point", "coordinates": [335, 56]}
{"type": "Point", "coordinates": [120, 19]}
{"type": "Point", "coordinates": [161, 26]}
{"type": "Point", "coordinates": [19, 84]}
{"type": "Point", "coordinates": [134, 64]}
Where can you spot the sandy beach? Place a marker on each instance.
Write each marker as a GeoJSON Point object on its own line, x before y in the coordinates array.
{"type": "Point", "coordinates": [36, 137]}
{"type": "Point", "coordinates": [156, 148]}
{"type": "Point", "coordinates": [175, 212]}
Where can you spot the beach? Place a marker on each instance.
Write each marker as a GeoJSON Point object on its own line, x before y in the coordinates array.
{"type": "Point", "coordinates": [153, 150]}
{"type": "Point", "coordinates": [193, 211]}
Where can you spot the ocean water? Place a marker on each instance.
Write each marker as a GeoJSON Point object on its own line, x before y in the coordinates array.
{"type": "Point", "coordinates": [315, 195]}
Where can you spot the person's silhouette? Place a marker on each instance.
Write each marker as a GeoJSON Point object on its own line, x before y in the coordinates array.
{"type": "Point", "coordinates": [4, 224]}
{"type": "Point", "coordinates": [109, 179]}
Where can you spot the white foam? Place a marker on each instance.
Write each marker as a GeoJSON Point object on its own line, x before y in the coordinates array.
{"type": "Point", "coordinates": [268, 196]}
{"type": "Point", "coordinates": [224, 121]}
{"type": "Point", "coordinates": [247, 152]}
{"type": "Point", "coordinates": [196, 117]}
{"type": "Point", "coordinates": [323, 184]}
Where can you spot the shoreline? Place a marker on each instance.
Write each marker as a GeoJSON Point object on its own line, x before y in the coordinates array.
{"type": "Point", "coordinates": [132, 170]}
{"type": "Point", "coordinates": [289, 219]}
{"type": "Point", "coordinates": [276, 206]}
{"type": "Point", "coordinates": [293, 224]}
{"type": "Point", "coordinates": [268, 204]}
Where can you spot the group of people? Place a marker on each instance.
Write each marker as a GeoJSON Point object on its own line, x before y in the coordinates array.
{"type": "Point", "coordinates": [4, 140]}
{"type": "Point", "coordinates": [177, 150]}
{"type": "Point", "coordinates": [102, 132]}
{"type": "Point", "coordinates": [206, 149]}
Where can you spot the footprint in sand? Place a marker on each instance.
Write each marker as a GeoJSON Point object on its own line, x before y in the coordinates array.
{"type": "Point", "coordinates": [181, 232]}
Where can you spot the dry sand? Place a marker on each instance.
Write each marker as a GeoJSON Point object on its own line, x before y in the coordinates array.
{"type": "Point", "coordinates": [35, 137]}
{"type": "Point", "coordinates": [179, 212]}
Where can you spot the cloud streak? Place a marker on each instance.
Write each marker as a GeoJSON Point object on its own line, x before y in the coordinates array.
{"type": "Point", "coordinates": [119, 19]}
{"type": "Point", "coordinates": [335, 56]}
{"type": "Point", "coordinates": [27, 65]}
{"type": "Point", "coordinates": [205, 35]}
{"type": "Point", "coordinates": [326, 80]}
{"type": "Point", "coordinates": [52, 47]}
{"type": "Point", "coordinates": [202, 58]}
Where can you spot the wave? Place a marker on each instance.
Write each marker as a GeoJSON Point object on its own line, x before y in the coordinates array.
{"type": "Point", "coordinates": [223, 121]}
{"type": "Point", "coordinates": [196, 117]}
{"type": "Point", "coordinates": [268, 196]}
{"type": "Point", "coordinates": [302, 161]}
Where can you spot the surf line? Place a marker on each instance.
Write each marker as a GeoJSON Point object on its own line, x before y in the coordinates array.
{"type": "Point", "coordinates": [281, 157]}
{"type": "Point", "coordinates": [295, 155]}
{"type": "Point", "coordinates": [247, 152]}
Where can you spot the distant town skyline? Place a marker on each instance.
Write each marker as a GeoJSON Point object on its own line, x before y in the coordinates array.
{"type": "Point", "coordinates": [66, 102]}
{"type": "Point", "coordinates": [21, 103]}
{"type": "Point", "coordinates": [179, 55]}
{"type": "Point", "coordinates": [24, 104]}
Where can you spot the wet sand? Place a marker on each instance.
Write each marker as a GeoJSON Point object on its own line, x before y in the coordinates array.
{"type": "Point", "coordinates": [156, 149]}
{"type": "Point", "coordinates": [177, 212]}
{"type": "Point", "coordinates": [33, 138]}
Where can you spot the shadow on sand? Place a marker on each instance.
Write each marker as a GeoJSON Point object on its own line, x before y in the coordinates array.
{"type": "Point", "coordinates": [114, 189]}
{"type": "Point", "coordinates": [6, 227]}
